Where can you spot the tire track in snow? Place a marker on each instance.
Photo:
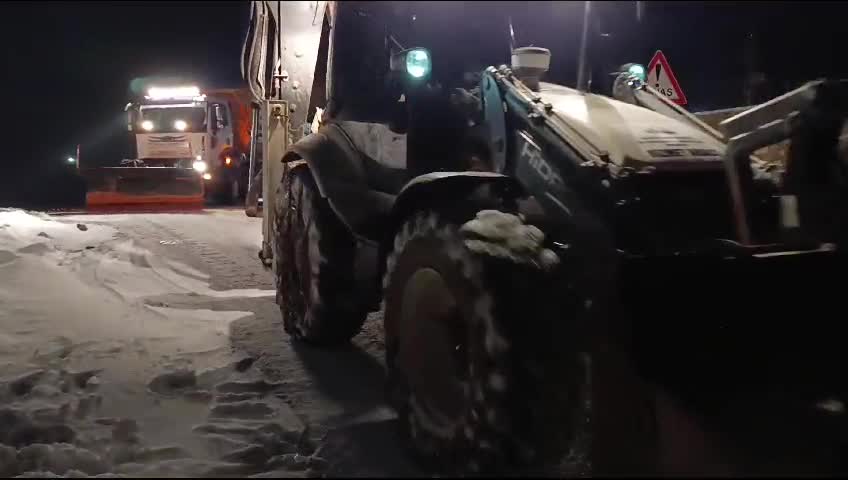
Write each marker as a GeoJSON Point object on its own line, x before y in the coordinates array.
{"type": "Point", "coordinates": [230, 270]}
{"type": "Point", "coordinates": [337, 394]}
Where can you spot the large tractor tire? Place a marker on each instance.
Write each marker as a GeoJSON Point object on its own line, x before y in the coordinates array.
{"type": "Point", "coordinates": [233, 190]}
{"type": "Point", "coordinates": [225, 193]}
{"type": "Point", "coordinates": [314, 254]}
{"type": "Point", "coordinates": [237, 191]}
{"type": "Point", "coordinates": [230, 193]}
{"type": "Point", "coordinates": [482, 364]}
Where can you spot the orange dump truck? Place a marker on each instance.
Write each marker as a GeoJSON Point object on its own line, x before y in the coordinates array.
{"type": "Point", "coordinates": [186, 145]}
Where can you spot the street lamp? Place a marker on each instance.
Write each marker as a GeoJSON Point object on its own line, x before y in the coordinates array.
{"type": "Point", "coordinates": [71, 160]}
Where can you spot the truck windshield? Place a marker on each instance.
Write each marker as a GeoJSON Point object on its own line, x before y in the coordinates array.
{"type": "Point", "coordinates": [173, 119]}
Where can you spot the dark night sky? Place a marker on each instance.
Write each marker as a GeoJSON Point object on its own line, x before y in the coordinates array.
{"type": "Point", "coordinates": [69, 64]}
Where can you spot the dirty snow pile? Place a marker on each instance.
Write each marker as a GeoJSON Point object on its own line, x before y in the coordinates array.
{"type": "Point", "coordinates": [99, 377]}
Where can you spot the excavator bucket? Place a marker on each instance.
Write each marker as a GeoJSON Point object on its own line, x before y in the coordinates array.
{"type": "Point", "coordinates": [143, 188]}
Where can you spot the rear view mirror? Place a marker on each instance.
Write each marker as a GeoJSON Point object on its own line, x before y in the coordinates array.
{"type": "Point", "coordinates": [416, 63]}
{"type": "Point", "coordinates": [132, 117]}
{"type": "Point", "coordinates": [219, 118]}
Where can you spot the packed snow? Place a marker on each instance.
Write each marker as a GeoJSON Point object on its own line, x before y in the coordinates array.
{"type": "Point", "coordinates": [99, 376]}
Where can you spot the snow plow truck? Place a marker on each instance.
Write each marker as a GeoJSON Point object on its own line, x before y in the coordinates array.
{"type": "Point", "coordinates": [186, 147]}
{"type": "Point", "coordinates": [543, 255]}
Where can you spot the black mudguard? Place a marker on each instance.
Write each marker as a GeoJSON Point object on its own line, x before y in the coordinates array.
{"type": "Point", "coordinates": [342, 177]}
{"type": "Point", "coordinates": [434, 188]}
{"type": "Point", "coordinates": [361, 193]}
{"type": "Point", "coordinates": [440, 190]}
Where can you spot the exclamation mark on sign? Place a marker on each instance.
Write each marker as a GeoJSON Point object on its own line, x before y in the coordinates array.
{"type": "Point", "coordinates": [657, 70]}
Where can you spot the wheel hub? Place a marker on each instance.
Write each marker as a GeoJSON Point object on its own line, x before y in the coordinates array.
{"type": "Point", "coordinates": [432, 349]}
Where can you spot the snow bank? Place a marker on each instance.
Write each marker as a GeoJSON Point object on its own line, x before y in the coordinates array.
{"type": "Point", "coordinates": [83, 294]}
{"type": "Point", "coordinates": [80, 342]}
{"type": "Point", "coordinates": [135, 273]}
{"type": "Point", "coordinates": [20, 229]}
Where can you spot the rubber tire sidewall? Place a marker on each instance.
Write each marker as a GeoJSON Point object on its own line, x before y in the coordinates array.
{"type": "Point", "coordinates": [315, 264]}
{"type": "Point", "coordinates": [521, 424]}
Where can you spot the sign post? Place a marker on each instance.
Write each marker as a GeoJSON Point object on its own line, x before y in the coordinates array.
{"type": "Point", "coordinates": [661, 77]}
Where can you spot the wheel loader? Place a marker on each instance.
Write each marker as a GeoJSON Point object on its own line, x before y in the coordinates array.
{"type": "Point", "coordinates": [558, 271]}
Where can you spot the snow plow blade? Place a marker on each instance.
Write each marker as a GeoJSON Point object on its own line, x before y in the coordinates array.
{"type": "Point", "coordinates": [143, 188]}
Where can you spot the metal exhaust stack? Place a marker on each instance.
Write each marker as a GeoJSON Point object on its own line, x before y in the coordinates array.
{"type": "Point", "coordinates": [529, 64]}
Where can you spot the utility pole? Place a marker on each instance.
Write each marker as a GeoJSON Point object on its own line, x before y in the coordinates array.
{"type": "Point", "coordinates": [582, 74]}
{"type": "Point", "coordinates": [590, 27]}
{"type": "Point", "coordinates": [754, 78]}
{"type": "Point", "coordinates": [639, 30]}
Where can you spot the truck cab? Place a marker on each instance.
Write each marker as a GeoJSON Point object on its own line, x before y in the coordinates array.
{"type": "Point", "coordinates": [183, 127]}
{"type": "Point", "coordinates": [168, 128]}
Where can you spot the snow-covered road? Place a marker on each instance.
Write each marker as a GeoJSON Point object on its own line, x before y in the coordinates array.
{"type": "Point", "coordinates": [151, 344]}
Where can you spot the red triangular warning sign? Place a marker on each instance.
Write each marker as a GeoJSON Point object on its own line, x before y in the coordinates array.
{"type": "Point", "coordinates": [661, 78]}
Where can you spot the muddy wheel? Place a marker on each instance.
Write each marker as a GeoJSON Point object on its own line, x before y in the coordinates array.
{"type": "Point", "coordinates": [229, 193]}
{"type": "Point", "coordinates": [314, 254]}
{"type": "Point", "coordinates": [481, 366]}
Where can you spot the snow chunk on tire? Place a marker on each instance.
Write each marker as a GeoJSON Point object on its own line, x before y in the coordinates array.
{"type": "Point", "coordinates": [506, 236]}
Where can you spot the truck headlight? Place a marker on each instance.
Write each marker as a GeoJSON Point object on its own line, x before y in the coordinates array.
{"type": "Point", "coordinates": [180, 125]}
{"type": "Point", "coordinates": [199, 165]}
{"type": "Point", "coordinates": [207, 176]}
{"type": "Point", "coordinates": [147, 125]}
